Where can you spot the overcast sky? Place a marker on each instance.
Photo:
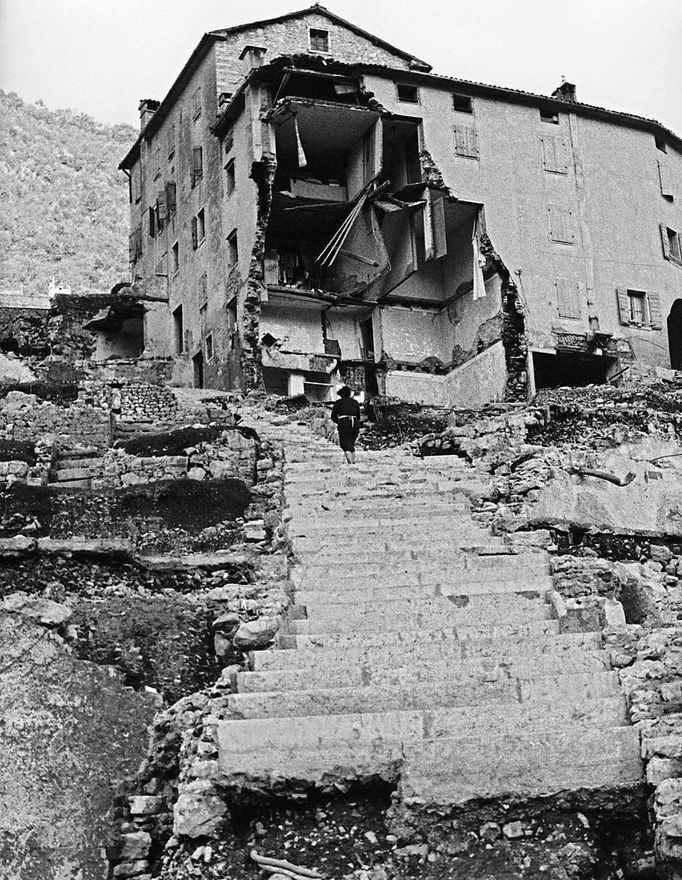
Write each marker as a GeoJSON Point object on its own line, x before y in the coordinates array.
{"type": "Point", "coordinates": [102, 56]}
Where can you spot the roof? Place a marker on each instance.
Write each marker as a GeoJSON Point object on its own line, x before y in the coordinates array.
{"type": "Point", "coordinates": [219, 35]}
{"type": "Point", "coordinates": [421, 72]}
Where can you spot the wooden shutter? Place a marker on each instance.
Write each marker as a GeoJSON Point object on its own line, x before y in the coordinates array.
{"type": "Point", "coordinates": [554, 154]}
{"type": "Point", "coordinates": [435, 241]}
{"type": "Point", "coordinates": [197, 164]}
{"type": "Point", "coordinates": [623, 306]}
{"type": "Point", "coordinates": [560, 224]}
{"type": "Point", "coordinates": [195, 237]}
{"type": "Point", "coordinates": [665, 178]}
{"type": "Point", "coordinates": [567, 298]}
{"type": "Point", "coordinates": [655, 313]}
{"type": "Point", "coordinates": [466, 141]}
{"type": "Point", "coordinates": [665, 241]}
{"type": "Point", "coordinates": [171, 199]}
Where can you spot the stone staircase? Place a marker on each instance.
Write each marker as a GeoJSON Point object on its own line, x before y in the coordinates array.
{"type": "Point", "coordinates": [74, 469]}
{"type": "Point", "coordinates": [419, 649]}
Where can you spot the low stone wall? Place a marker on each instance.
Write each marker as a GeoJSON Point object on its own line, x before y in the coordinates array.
{"type": "Point", "coordinates": [81, 423]}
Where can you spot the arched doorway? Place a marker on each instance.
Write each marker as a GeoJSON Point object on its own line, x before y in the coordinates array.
{"type": "Point", "coordinates": [675, 335]}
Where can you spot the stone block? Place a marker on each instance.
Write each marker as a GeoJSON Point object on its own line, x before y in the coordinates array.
{"type": "Point", "coordinates": [135, 846]}
{"type": "Point", "coordinates": [146, 805]}
{"type": "Point", "coordinates": [135, 868]}
{"type": "Point", "coordinates": [256, 634]}
{"type": "Point", "coordinates": [198, 811]}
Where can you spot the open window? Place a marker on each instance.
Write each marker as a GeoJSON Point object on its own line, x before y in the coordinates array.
{"type": "Point", "coordinates": [119, 330]}
{"type": "Point", "coordinates": [571, 369]}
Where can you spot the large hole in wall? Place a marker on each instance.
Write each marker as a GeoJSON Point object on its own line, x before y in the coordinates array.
{"type": "Point", "coordinates": [570, 369]}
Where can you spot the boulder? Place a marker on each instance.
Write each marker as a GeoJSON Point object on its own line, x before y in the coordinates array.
{"type": "Point", "coordinates": [198, 811]}
{"type": "Point", "coordinates": [256, 634]}
{"type": "Point", "coordinates": [43, 611]}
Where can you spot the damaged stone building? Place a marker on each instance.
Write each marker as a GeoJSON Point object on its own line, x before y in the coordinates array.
{"type": "Point", "coordinates": [315, 206]}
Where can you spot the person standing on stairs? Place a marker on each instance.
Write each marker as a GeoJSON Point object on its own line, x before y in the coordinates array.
{"type": "Point", "coordinates": [346, 415]}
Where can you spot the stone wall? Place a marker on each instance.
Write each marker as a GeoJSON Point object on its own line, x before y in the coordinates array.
{"type": "Point", "coordinates": [81, 423]}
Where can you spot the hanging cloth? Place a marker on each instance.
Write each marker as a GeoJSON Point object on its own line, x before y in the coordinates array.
{"type": "Point", "coordinates": [479, 261]}
{"type": "Point", "coordinates": [302, 160]}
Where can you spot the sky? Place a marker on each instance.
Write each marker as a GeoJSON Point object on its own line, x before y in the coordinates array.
{"type": "Point", "coordinates": [102, 56]}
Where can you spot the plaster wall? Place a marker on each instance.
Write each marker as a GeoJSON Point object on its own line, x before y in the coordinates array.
{"type": "Point", "coordinates": [344, 326]}
{"type": "Point", "coordinates": [412, 334]}
{"type": "Point", "coordinates": [298, 328]}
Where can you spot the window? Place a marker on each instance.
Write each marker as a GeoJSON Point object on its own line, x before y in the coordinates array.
{"type": "Point", "coordinates": [639, 307]}
{"type": "Point", "coordinates": [157, 157]}
{"type": "Point", "coordinates": [232, 249]}
{"type": "Point", "coordinates": [232, 321]}
{"type": "Point", "coordinates": [135, 245]}
{"type": "Point", "coordinates": [197, 164]}
{"type": "Point", "coordinates": [560, 224]}
{"type": "Point", "coordinates": [462, 104]}
{"type": "Point", "coordinates": [549, 115]}
{"type": "Point", "coordinates": [466, 141]}
{"type": "Point", "coordinates": [152, 222]}
{"type": "Point", "coordinates": [209, 347]}
{"type": "Point", "coordinates": [196, 103]}
{"type": "Point", "coordinates": [319, 40]}
{"type": "Point", "coordinates": [567, 298]}
{"type": "Point", "coordinates": [228, 141]}
{"type": "Point", "coordinates": [171, 142]}
{"type": "Point", "coordinates": [178, 331]}
{"type": "Point", "coordinates": [198, 229]}
{"type": "Point", "coordinates": [175, 257]}
{"type": "Point", "coordinates": [134, 185]}
{"type": "Point", "coordinates": [554, 154]}
{"type": "Point", "coordinates": [660, 144]}
{"type": "Point", "coordinates": [229, 178]}
{"type": "Point", "coordinates": [671, 244]}
{"type": "Point", "coordinates": [161, 210]}
{"type": "Point", "coordinates": [408, 94]}
{"type": "Point", "coordinates": [171, 199]}
{"type": "Point", "coordinates": [665, 180]}
{"type": "Point", "coordinates": [203, 293]}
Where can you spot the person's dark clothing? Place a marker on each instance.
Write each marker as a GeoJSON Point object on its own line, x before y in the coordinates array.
{"type": "Point", "coordinates": [346, 414]}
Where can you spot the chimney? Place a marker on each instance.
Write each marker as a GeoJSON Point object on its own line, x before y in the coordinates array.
{"type": "Point", "coordinates": [565, 92]}
{"type": "Point", "coordinates": [252, 56]}
{"type": "Point", "coordinates": [147, 108]}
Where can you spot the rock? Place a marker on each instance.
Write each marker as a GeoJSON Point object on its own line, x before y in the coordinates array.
{"type": "Point", "coordinates": [196, 473]}
{"type": "Point", "coordinates": [135, 846]}
{"type": "Point", "coordinates": [43, 611]}
{"type": "Point", "coordinates": [490, 831]}
{"type": "Point", "coordinates": [198, 811]}
{"type": "Point", "coordinates": [146, 805]}
{"type": "Point", "coordinates": [614, 613]}
{"type": "Point", "coordinates": [16, 544]}
{"type": "Point", "coordinates": [221, 645]}
{"type": "Point", "coordinates": [254, 531]}
{"type": "Point", "coordinates": [513, 830]}
{"type": "Point", "coordinates": [226, 623]}
{"type": "Point", "coordinates": [661, 553]}
{"type": "Point", "coordinates": [131, 869]}
{"type": "Point", "coordinates": [256, 634]}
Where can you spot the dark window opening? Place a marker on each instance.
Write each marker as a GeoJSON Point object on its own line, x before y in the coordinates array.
{"type": "Point", "coordinates": [209, 347]}
{"type": "Point", "coordinates": [201, 226]}
{"type": "Point", "coordinates": [232, 321]}
{"type": "Point", "coordinates": [152, 222]}
{"type": "Point", "coordinates": [660, 144]}
{"type": "Point", "coordinates": [638, 306]}
{"type": "Point", "coordinates": [674, 245]}
{"type": "Point", "coordinates": [550, 116]}
{"type": "Point", "coordinates": [178, 331]}
{"type": "Point", "coordinates": [232, 248]}
{"type": "Point", "coordinates": [229, 178]}
{"type": "Point", "coordinates": [197, 164]}
{"type": "Point", "coordinates": [462, 104]}
{"type": "Point", "coordinates": [570, 369]}
{"type": "Point", "coordinates": [675, 335]}
{"type": "Point", "coordinates": [407, 94]}
{"type": "Point", "coordinates": [198, 370]}
{"type": "Point", "coordinates": [171, 199]}
{"type": "Point", "coordinates": [175, 257]}
{"type": "Point", "coordinates": [319, 40]}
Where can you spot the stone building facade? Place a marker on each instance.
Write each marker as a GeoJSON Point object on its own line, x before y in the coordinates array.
{"type": "Point", "coordinates": [316, 206]}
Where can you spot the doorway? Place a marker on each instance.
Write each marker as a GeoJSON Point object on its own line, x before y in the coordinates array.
{"type": "Point", "coordinates": [198, 365]}
{"type": "Point", "coordinates": [675, 335]}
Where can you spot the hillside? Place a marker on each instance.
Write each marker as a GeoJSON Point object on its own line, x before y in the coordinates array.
{"type": "Point", "coordinates": [65, 204]}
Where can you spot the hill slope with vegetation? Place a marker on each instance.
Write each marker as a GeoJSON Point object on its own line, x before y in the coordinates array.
{"type": "Point", "coordinates": [65, 204]}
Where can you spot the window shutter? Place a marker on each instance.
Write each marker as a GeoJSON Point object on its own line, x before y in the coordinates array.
{"type": "Point", "coordinates": [435, 241]}
{"type": "Point", "coordinates": [554, 154]}
{"type": "Point", "coordinates": [162, 266]}
{"type": "Point", "coordinates": [665, 241]}
{"type": "Point", "coordinates": [195, 238]}
{"type": "Point", "coordinates": [560, 224]}
{"type": "Point", "coordinates": [466, 141]}
{"type": "Point", "coordinates": [567, 298]}
{"type": "Point", "coordinates": [132, 256]}
{"type": "Point", "coordinates": [666, 179]}
{"type": "Point", "coordinates": [623, 306]}
{"type": "Point", "coordinates": [161, 210]}
{"type": "Point", "coordinates": [197, 164]}
{"type": "Point", "coordinates": [655, 313]}
{"type": "Point", "coordinates": [171, 199]}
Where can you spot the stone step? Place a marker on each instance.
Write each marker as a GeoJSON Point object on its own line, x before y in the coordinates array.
{"type": "Point", "coordinates": [250, 736]}
{"type": "Point", "coordinates": [385, 568]}
{"type": "Point", "coordinates": [372, 560]}
{"type": "Point", "coordinates": [488, 696]}
{"type": "Point", "coordinates": [317, 550]}
{"type": "Point", "coordinates": [529, 763]}
{"type": "Point", "coordinates": [83, 452]}
{"type": "Point", "coordinates": [445, 520]}
{"type": "Point", "coordinates": [414, 636]}
{"type": "Point", "coordinates": [70, 485]}
{"type": "Point", "coordinates": [476, 608]}
{"type": "Point", "coordinates": [452, 650]}
{"type": "Point", "coordinates": [437, 669]}
{"type": "Point", "coordinates": [392, 509]}
{"type": "Point", "coordinates": [573, 757]}
{"type": "Point", "coordinates": [416, 585]}
{"type": "Point", "coordinates": [63, 474]}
